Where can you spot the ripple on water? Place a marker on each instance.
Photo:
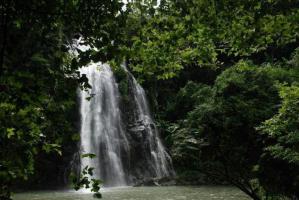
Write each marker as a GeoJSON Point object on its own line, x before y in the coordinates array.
{"type": "Point", "coordinates": [142, 193]}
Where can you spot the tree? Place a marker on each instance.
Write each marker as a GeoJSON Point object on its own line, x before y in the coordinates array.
{"type": "Point", "coordinates": [280, 159]}
{"type": "Point", "coordinates": [39, 79]}
{"type": "Point", "coordinates": [166, 43]}
{"type": "Point", "coordinates": [162, 42]}
{"type": "Point", "coordinates": [219, 135]}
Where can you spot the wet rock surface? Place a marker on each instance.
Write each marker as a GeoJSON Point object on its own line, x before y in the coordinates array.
{"type": "Point", "coordinates": [147, 156]}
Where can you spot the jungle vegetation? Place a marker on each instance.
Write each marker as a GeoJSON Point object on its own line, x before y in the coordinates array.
{"type": "Point", "coordinates": [222, 77]}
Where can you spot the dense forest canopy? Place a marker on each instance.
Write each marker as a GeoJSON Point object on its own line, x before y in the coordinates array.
{"type": "Point", "coordinates": [222, 78]}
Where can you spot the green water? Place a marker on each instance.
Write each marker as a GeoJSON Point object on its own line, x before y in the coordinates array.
{"type": "Point", "coordinates": [142, 193]}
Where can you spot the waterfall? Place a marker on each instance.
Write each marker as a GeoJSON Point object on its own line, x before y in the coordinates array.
{"type": "Point", "coordinates": [101, 126]}
{"type": "Point", "coordinates": [156, 156]}
{"type": "Point", "coordinates": [121, 159]}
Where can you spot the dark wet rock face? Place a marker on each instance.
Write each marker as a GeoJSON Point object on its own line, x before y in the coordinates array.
{"type": "Point", "coordinates": [149, 158]}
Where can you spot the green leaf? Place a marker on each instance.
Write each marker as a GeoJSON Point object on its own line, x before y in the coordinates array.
{"type": "Point", "coordinates": [76, 137]}
{"type": "Point", "coordinates": [10, 132]}
{"type": "Point", "coordinates": [88, 155]}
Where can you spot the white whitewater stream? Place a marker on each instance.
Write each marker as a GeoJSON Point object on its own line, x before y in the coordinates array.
{"type": "Point", "coordinates": [101, 126]}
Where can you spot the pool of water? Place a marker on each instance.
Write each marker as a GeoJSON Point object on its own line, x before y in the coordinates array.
{"type": "Point", "coordinates": [141, 193]}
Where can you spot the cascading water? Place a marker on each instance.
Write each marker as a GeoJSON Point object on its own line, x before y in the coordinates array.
{"type": "Point", "coordinates": [155, 155]}
{"type": "Point", "coordinates": [121, 159]}
{"type": "Point", "coordinates": [101, 126]}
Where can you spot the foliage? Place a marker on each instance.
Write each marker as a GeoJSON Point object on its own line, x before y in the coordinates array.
{"type": "Point", "coordinates": [188, 96]}
{"type": "Point", "coordinates": [210, 123]}
{"type": "Point", "coordinates": [122, 79]}
{"type": "Point", "coordinates": [185, 140]}
{"type": "Point", "coordinates": [164, 41]}
{"type": "Point", "coordinates": [225, 116]}
{"type": "Point", "coordinates": [39, 79]}
{"type": "Point", "coordinates": [192, 56]}
{"type": "Point", "coordinates": [280, 160]}
{"type": "Point", "coordinates": [85, 180]}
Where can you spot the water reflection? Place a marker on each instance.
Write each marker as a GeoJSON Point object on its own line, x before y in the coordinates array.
{"type": "Point", "coordinates": [143, 193]}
